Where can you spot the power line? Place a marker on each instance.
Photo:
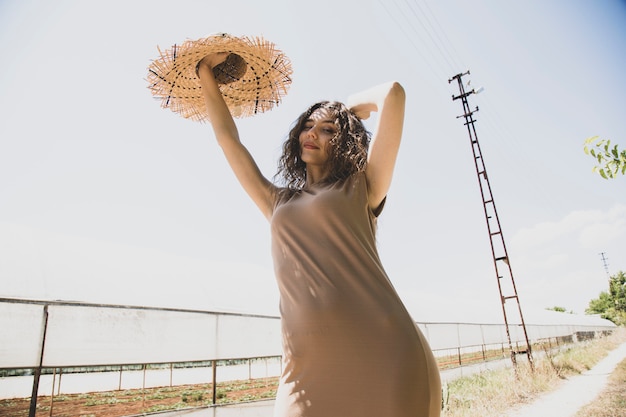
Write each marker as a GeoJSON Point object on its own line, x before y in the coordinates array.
{"type": "Point", "coordinates": [423, 30]}
{"type": "Point", "coordinates": [447, 40]}
{"type": "Point", "coordinates": [428, 32]}
{"type": "Point", "coordinates": [429, 62]}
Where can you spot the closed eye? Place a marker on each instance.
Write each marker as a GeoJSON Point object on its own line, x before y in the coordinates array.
{"type": "Point", "coordinates": [327, 127]}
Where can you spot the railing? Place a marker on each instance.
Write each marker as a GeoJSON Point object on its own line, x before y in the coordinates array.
{"type": "Point", "coordinates": [459, 344]}
{"type": "Point", "coordinates": [59, 340]}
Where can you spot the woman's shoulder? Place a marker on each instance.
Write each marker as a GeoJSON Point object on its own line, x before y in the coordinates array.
{"type": "Point", "coordinates": [284, 194]}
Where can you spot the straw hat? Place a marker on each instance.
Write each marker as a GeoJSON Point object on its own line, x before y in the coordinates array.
{"type": "Point", "coordinates": [252, 80]}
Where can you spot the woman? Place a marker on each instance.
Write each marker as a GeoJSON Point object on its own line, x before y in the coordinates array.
{"type": "Point", "coordinates": [350, 347]}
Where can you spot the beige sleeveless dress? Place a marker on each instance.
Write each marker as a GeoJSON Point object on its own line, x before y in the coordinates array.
{"type": "Point", "coordinates": [350, 347]}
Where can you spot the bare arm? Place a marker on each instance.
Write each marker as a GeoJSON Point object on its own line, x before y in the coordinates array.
{"type": "Point", "coordinates": [243, 165]}
{"type": "Point", "coordinates": [388, 100]}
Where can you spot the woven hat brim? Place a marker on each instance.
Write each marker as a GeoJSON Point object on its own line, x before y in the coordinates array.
{"type": "Point", "coordinates": [172, 77]}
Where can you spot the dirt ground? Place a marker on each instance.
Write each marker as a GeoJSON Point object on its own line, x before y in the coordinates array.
{"type": "Point", "coordinates": [131, 402]}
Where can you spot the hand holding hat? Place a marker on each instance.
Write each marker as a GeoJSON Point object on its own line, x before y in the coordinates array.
{"type": "Point", "coordinates": [213, 60]}
{"type": "Point", "coordinates": [252, 74]}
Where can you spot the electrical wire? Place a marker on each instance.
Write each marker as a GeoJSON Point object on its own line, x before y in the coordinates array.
{"type": "Point", "coordinates": [424, 32]}
{"type": "Point", "coordinates": [398, 24]}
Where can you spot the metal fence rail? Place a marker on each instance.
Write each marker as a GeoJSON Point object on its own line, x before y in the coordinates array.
{"type": "Point", "coordinates": [59, 340]}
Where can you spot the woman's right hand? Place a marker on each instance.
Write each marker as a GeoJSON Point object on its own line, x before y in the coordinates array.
{"type": "Point", "coordinates": [211, 61]}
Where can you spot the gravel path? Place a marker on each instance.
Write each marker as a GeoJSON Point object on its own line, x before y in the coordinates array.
{"type": "Point", "coordinates": [575, 392]}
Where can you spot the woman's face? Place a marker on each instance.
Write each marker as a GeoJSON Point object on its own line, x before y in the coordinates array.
{"type": "Point", "coordinates": [315, 137]}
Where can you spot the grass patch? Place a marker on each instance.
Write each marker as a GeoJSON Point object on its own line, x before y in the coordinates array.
{"type": "Point", "coordinates": [492, 393]}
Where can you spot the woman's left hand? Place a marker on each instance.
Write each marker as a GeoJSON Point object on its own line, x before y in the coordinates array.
{"type": "Point", "coordinates": [361, 105]}
{"type": "Point", "coordinates": [361, 111]}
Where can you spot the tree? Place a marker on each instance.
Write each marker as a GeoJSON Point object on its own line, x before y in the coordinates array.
{"type": "Point", "coordinates": [599, 305]}
{"type": "Point", "coordinates": [559, 309]}
{"type": "Point", "coordinates": [611, 161]}
{"type": "Point", "coordinates": [617, 290]}
{"type": "Point", "coordinates": [611, 305]}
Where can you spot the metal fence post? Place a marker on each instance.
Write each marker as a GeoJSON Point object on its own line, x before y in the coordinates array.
{"type": "Point", "coordinates": [214, 364]}
{"type": "Point", "coordinates": [458, 338]}
{"type": "Point", "coordinates": [33, 397]}
{"type": "Point", "coordinates": [54, 374]}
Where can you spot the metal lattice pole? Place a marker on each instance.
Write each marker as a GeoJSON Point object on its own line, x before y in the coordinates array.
{"type": "Point", "coordinates": [504, 273]}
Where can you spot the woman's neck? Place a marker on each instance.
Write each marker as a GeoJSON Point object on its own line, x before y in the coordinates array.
{"type": "Point", "coordinates": [315, 175]}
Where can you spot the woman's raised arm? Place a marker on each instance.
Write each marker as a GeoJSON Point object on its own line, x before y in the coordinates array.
{"type": "Point", "coordinates": [388, 100]}
{"type": "Point", "coordinates": [259, 188]}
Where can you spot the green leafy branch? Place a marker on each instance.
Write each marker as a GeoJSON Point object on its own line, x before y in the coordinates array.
{"type": "Point", "coordinates": [611, 161]}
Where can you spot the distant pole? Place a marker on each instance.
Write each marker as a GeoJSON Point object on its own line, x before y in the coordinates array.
{"type": "Point", "coordinates": [605, 262]}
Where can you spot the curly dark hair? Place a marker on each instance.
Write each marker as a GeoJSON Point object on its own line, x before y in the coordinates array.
{"type": "Point", "coordinates": [348, 148]}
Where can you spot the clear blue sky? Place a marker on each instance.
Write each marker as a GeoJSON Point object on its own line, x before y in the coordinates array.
{"type": "Point", "coordinates": [106, 197]}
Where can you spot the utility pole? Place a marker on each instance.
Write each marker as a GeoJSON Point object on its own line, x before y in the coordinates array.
{"type": "Point", "coordinates": [502, 264]}
{"type": "Point", "coordinates": [605, 262]}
